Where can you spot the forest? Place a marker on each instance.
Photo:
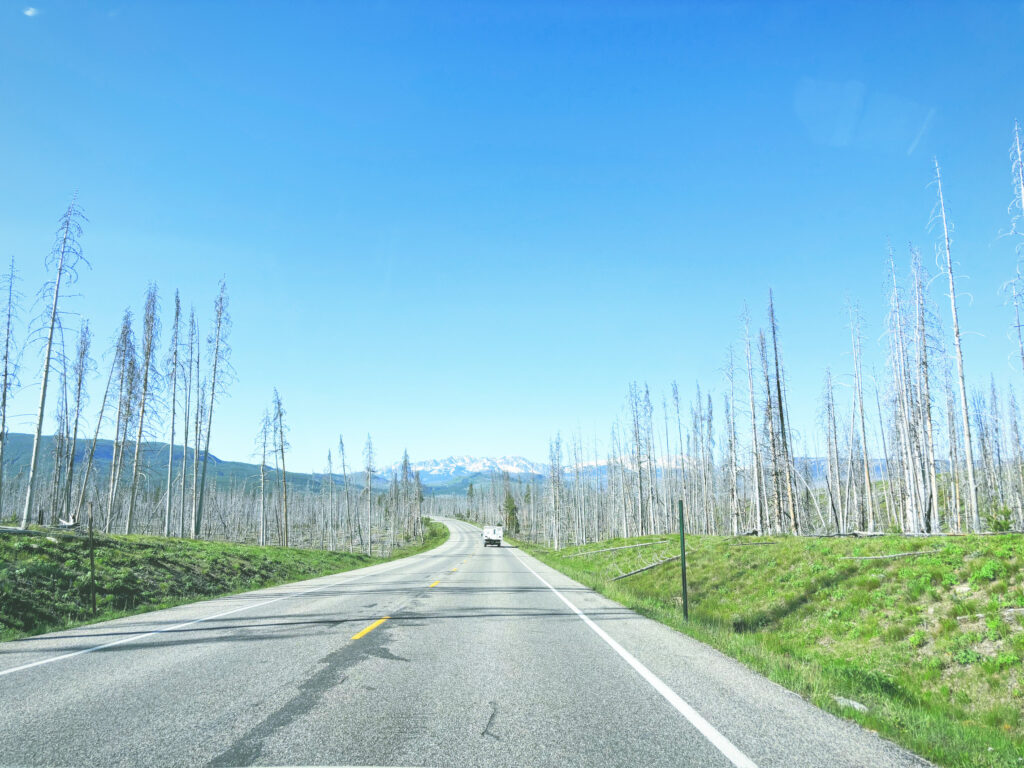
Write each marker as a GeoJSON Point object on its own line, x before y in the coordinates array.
{"type": "Point", "coordinates": [171, 390]}
{"type": "Point", "coordinates": [910, 450]}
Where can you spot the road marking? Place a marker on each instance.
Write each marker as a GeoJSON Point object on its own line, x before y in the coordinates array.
{"type": "Point", "coordinates": [384, 568]}
{"type": "Point", "coordinates": [709, 732]}
{"type": "Point", "coordinates": [370, 628]}
{"type": "Point", "coordinates": [436, 583]}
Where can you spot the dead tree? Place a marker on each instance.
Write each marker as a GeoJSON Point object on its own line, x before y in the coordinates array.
{"type": "Point", "coordinates": [730, 425]}
{"type": "Point", "coordinates": [220, 350]}
{"type": "Point", "coordinates": [95, 438]}
{"type": "Point", "coordinates": [773, 326]}
{"type": "Point", "coordinates": [150, 334]}
{"type": "Point", "coordinates": [173, 371]}
{"type": "Point", "coordinates": [81, 367]}
{"type": "Point", "coordinates": [368, 455]}
{"type": "Point", "coordinates": [8, 369]}
{"type": "Point", "coordinates": [266, 428]}
{"type": "Point", "coordinates": [858, 384]}
{"type": "Point", "coordinates": [773, 442]}
{"type": "Point", "coordinates": [192, 346]}
{"type": "Point", "coordinates": [125, 358]}
{"type": "Point", "coordinates": [920, 278]}
{"type": "Point", "coordinates": [947, 249]}
{"type": "Point", "coordinates": [281, 445]}
{"type": "Point", "coordinates": [64, 259]}
{"type": "Point", "coordinates": [832, 471]}
{"type": "Point", "coordinates": [760, 502]}
{"type": "Point", "coordinates": [348, 497]}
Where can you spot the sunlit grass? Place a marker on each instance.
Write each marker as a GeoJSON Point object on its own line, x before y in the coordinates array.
{"type": "Point", "coordinates": [45, 583]}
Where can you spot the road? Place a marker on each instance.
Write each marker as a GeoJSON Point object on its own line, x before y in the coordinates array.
{"type": "Point", "coordinates": [486, 657]}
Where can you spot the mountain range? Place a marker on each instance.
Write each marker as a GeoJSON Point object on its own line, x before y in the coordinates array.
{"type": "Point", "coordinates": [444, 471]}
{"type": "Point", "coordinates": [449, 475]}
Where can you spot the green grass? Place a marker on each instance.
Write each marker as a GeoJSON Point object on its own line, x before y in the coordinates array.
{"type": "Point", "coordinates": [932, 644]}
{"type": "Point", "coordinates": [44, 581]}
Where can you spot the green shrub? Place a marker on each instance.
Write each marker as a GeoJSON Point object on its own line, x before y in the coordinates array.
{"type": "Point", "coordinates": [989, 570]}
{"type": "Point", "coordinates": [966, 656]}
{"type": "Point", "coordinates": [1000, 520]}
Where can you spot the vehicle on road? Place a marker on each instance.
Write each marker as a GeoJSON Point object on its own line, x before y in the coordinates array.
{"type": "Point", "coordinates": [492, 535]}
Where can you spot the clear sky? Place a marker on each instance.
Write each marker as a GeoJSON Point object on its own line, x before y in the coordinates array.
{"type": "Point", "coordinates": [465, 226]}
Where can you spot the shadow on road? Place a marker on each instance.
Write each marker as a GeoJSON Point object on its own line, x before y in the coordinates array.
{"type": "Point", "coordinates": [270, 627]}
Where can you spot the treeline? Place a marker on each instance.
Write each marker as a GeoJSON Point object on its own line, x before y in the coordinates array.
{"type": "Point", "coordinates": [150, 390]}
{"type": "Point", "coordinates": [910, 450]}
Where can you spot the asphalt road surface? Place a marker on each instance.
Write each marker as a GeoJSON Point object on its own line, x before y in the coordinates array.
{"type": "Point", "coordinates": [462, 656]}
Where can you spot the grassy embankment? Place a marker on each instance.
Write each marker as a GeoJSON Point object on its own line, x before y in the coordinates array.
{"type": "Point", "coordinates": [45, 584]}
{"type": "Point", "coordinates": [931, 644]}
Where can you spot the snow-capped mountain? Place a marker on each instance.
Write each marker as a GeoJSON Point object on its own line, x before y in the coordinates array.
{"type": "Point", "coordinates": [456, 472]}
{"type": "Point", "coordinates": [440, 471]}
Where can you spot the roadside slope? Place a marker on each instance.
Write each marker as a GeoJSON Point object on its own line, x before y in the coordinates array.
{"type": "Point", "coordinates": [45, 581]}
{"type": "Point", "coordinates": [931, 642]}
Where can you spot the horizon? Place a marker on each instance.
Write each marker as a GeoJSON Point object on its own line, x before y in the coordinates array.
{"type": "Point", "coordinates": [661, 461]}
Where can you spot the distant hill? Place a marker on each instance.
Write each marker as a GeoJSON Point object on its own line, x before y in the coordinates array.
{"type": "Point", "coordinates": [18, 456]}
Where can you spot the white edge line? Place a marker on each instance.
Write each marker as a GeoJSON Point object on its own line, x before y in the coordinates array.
{"type": "Point", "coordinates": [124, 640]}
{"type": "Point", "coordinates": [709, 731]}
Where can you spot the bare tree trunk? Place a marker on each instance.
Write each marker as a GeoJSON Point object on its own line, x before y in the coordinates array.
{"type": "Point", "coordinates": [890, 503]}
{"type": "Point", "coordinates": [282, 444]}
{"type": "Point", "coordinates": [904, 407]}
{"type": "Point", "coordinates": [682, 458]}
{"type": "Point", "coordinates": [150, 331]}
{"type": "Point", "coordinates": [222, 323]}
{"type": "Point", "coordinates": [197, 439]}
{"type": "Point", "coordinates": [730, 425]}
{"type": "Point", "coordinates": [772, 439]}
{"type": "Point", "coordinates": [832, 468]}
{"type": "Point", "coordinates": [95, 438]}
{"type": "Point", "coordinates": [66, 254]}
{"type": "Point", "coordinates": [81, 368]}
{"type": "Point", "coordinates": [188, 404]}
{"type": "Point", "coordinates": [1017, 483]}
{"type": "Point", "coordinates": [348, 495]}
{"type": "Point", "coordinates": [174, 404]}
{"type": "Point", "coordinates": [859, 386]}
{"type": "Point", "coordinates": [265, 428]}
{"type": "Point", "coordinates": [369, 495]}
{"type": "Point", "coordinates": [925, 395]}
{"type": "Point", "coordinates": [7, 376]}
{"type": "Point", "coordinates": [125, 356]}
{"type": "Point", "coordinates": [783, 434]}
{"type": "Point", "coordinates": [972, 487]}
{"type": "Point", "coordinates": [954, 455]}
{"type": "Point", "coordinates": [760, 513]}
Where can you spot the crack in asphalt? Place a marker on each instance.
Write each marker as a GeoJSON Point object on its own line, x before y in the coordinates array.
{"type": "Point", "coordinates": [490, 721]}
{"type": "Point", "coordinates": [247, 748]}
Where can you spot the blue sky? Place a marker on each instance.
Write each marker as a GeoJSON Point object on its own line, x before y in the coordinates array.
{"type": "Point", "coordinates": [463, 227]}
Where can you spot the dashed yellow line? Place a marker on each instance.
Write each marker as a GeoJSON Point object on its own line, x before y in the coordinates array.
{"type": "Point", "coordinates": [370, 628]}
{"type": "Point", "coordinates": [436, 583]}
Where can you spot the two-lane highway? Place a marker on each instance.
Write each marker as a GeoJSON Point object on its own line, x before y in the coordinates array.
{"type": "Point", "coordinates": [461, 656]}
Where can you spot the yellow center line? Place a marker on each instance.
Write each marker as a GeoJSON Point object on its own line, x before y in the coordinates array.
{"type": "Point", "coordinates": [370, 628]}
{"type": "Point", "coordinates": [436, 583]}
